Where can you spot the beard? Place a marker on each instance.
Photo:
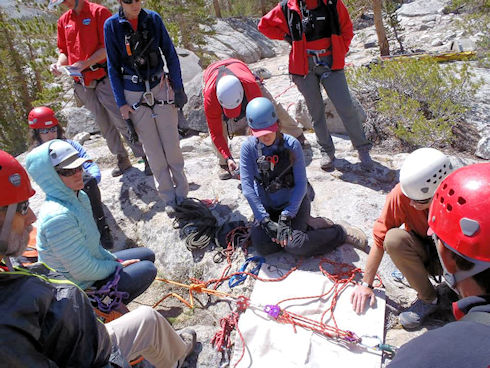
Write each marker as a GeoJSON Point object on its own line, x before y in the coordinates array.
{"type": "Point", "coordinates": [17, 243]}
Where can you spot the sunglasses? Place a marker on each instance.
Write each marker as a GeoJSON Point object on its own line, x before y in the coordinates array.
{"type": "Point", "coordinates": [68, 172]}
{"type": "Point", "coordinates": [48, 130]}
{"type": "Point", "coordinates": [22, 208]}
{"type": "Point", "coordinates": [130, 1]}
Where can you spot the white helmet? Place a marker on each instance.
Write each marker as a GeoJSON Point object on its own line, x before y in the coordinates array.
{"type": "Point", "coordinates": [64, 155]}
{"type": "Point", "coordinates": [229, 91]}
{"type": "Point", "coordinates": [422, 172]}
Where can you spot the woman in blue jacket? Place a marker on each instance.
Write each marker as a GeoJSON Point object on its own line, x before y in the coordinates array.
{"type": "Point", "coordinates": [45, 127]}
{"type": "Point", "coordinates": [273, 177]}
{"type": "Point", "coordinates": [67, 236]}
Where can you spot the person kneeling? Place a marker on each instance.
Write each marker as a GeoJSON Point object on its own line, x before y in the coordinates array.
{"type": "Point", "coordinates": [273, 178]}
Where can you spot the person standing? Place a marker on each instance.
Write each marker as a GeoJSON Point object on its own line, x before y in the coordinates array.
{"type": "Point", "coordinates": [273, 177]}
{"type": "Point", "coordinates": [228, 87]}
{"type": "Point", "coordinates": [81, 48]}
{"type": "Point", "coordinates": [459, 221]}
{"type": "Point", "coordinates": [45, 127]}
{"type": "Point", "coordinates": [320, 33]}
{"type": "Point", "coordinates": [135, 39]}
{"type": "Point", "coordinates": [410, 249]}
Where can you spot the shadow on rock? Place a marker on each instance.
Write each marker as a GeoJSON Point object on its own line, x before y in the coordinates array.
{"type": "Point", "coordinates": [379, 177]}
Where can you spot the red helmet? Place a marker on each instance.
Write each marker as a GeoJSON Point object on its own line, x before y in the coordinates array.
{"type": "Point", "coordinates": [42, 117]}
{"type": "Point", "coordinates": [15, 186]}
{"type": "Point", "coordinates": [459, 212]}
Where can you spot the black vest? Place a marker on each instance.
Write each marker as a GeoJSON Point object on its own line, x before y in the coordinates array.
{"type": "Point", "coordinates": [276, 169]}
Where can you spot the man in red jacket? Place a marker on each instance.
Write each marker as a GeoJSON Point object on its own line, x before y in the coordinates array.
{"type": "Point", "coordinates": [81, 48]}
{"type": "Point", "coordinates": [228, 87]}
{"type": "Point", "coordinates": [320, 33]}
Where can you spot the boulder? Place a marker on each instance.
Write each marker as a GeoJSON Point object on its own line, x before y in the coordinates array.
{"type": "Point", "coordinates": [483, 148]}
{"type": "Point", "coordinates": [79, 120]}
{"type": "Point", "coordinates": [421, 8]}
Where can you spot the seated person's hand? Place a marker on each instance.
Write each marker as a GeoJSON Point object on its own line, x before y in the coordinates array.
{"type": "Point", "coordinates": [360, 296]}
{"type": "Point", "coordinates": [284, 231]}
{"type": "Point", "coordinates": [270, 228]}
{"type": "Point", "coordinates": [128, 262]}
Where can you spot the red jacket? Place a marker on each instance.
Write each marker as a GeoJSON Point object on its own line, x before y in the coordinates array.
{"type": "Point", "coordinates": [79, 36]}
{"type": "Point", "coordinates": [213, 109]}
{"type": "Point", "coordinates": [275, 26]}
{"type": "Point", "coordinates": [396, 212]}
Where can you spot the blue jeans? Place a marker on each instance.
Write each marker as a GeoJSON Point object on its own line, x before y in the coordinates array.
{"type": "Point", "coordinates": [137, 277]}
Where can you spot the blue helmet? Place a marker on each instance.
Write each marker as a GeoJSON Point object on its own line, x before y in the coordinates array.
{"type": "Point", "coordinates": [261, 113]}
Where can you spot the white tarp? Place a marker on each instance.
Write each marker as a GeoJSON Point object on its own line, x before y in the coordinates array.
{"type": "Point", "coordinates": [270, 344]}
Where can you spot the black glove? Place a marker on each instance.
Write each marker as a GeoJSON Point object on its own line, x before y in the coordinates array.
{"type": "Point", "coordinates": [284, 230]}
{"type": "Point", "coordinates": [132, 135]}
{"type": "Point", "coordinates": [270, 227]}
{"type": "Point", "coordinates": [288, 39]}
{"type": "Point", "coordinates": [88, 181]}
{"type": "Point", "coordinates": [180, 98]}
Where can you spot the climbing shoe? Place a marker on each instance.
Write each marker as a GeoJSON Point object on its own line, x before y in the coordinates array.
{"type": "Point", "coordinates": [366, 162]}
{"type": "Point", "coordinates": [147, 170]}
{"type": "Point", "coordinates": [189, 337]}
{"type": "Point", "coordinates": [415, 315]}
{"type": "Point", "coordinates": [354, 236]}
{"type": "Point", "coordinates": [327, 161]}
{"type": "Point", "coordinates": [123, 164]}
{"type": "Point", "coordinates": [223, 173]}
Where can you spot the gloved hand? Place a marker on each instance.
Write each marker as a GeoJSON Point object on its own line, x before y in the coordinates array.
{"type": "Point", "coordinates": [284, 230]}
{"type": "Point", "coordinates": [180, 98]}
{"type": "Point", "coordinates": [270, 228]}
{"type": "Point", "coordinates": [288, 39]}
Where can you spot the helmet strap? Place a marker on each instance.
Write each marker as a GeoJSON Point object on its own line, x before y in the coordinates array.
{"type": "Point", "coordinates": [5, 232]}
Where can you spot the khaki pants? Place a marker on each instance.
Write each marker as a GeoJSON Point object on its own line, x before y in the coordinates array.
{"type": "Point", "coordinates": [100, 102]}
{"type": "Point", "coordinates": [409, 255]}
{"type": "Point", "coordinates": [145, 332]}
{"type": "Point", "coordinates": [158, 132]}
{"type": "Point", "coordinates": [286, 124]}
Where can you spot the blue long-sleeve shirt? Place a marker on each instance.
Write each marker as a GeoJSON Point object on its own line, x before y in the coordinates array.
{"type": "Point", "coordinates": [118, 61]}
{"type": "Point", "coordinates": [89, 167]}
{"type": "Point", "coordinates": [256, 196]}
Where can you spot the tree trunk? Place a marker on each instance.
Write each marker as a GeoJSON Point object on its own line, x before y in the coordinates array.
{"type": "Point", "coordinates": [384, 47]}
{"type": "Point", "coordinates": [217, 9]}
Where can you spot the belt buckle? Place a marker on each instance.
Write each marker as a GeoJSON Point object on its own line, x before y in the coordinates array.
{"type": "Point", "coordinates": [135, 79]}
{"type": "Point", "coordinates": [93, 67]}
{"type": "Point", "coordinates": [149, 98]}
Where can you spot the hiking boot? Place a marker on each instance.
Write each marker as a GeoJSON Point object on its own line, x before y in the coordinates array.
{"type": "Point", "coordinates": [319, 222]}
{"type": "Point", "coordinates": [303, 141]}
{"type": "Point", "coordinates": [189, 337]}
{"type": "Point", "coordinates": [366, 162]}
{"type": "Point", "coordinates": [327, 161]}
{"type": "Point", "coordinates": [415, 315]}
{"type": "Point", "coordinates": [224, 173]}
{"type": "Point", "coordinates": [354, 236]}
{"type": "Point", "coordinates": [123, 164]}
{"type": "Point", "coordinates": [106, 238]}
{"type": "Point", "coordinates": [147, 170]}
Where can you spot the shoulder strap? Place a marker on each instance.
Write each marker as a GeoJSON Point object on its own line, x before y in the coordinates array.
{"type": "Point", "coordinates": [480, 317]}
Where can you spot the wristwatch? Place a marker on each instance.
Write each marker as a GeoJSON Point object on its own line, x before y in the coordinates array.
{"type": "Point", "coordinates": [365, 284]}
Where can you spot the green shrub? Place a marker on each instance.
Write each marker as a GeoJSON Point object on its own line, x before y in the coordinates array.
{"type": "Point", "coordinates": [420, 100]}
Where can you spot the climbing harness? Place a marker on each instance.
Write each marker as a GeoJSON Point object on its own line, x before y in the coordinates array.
{"type": "Point", "coordinates": [239, 279]}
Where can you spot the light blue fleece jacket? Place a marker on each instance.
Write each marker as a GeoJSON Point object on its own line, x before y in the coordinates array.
{"type": "Point", "coordinates": [67, 236]}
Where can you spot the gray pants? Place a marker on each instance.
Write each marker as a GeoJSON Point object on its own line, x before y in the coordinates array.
{"type": "Point", "coordinates": [146, 332]}
{"type": "Point", "coordinates": [335, 84]}
{"type": "Point", "coordinates": [158, 132]}
{"type": "Point", "coordinates": [100, 102]}
{"type": "Point", "coordinates": [306, 241]}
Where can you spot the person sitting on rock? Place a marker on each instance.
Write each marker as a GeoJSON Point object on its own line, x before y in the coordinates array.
{"type": "Point", "coordinates": [45, 127]}
{"type": "Point", "coordinates": [459, 221]}
{"type": "Point", "coordinates": [273, 178]}
{"type": "Point", "coordinates": [410, 249]}
{"type": "Point", "coordinates": [228, 87]}
{"type": "Point", "coordinates": [47, 321]}
{"type": "Point", "coordinates": [67, 236]}
{"type": "Point", "coordinates": [320, 32]}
